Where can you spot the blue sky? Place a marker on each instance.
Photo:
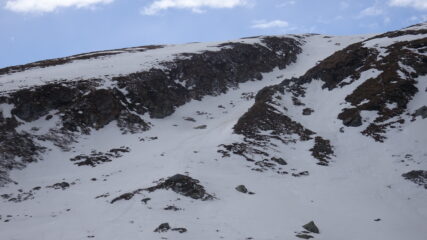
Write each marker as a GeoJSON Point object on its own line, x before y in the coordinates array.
{"type": "Point", "coordinates": [32, 30]}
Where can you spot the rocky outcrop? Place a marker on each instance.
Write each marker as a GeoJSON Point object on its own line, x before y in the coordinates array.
{"type": "Point", "coordinates": [160, 91]}
{"type": "Point", "coordinates": [418, 177]}
{"type": "Point", "coordinates": [311, 227]}
{"type": "Point", "coordinates": [183, 185]}
{"type": "Point", "coordinates": [263, 124]}
{"type": "Point", "coordinates": [263, 116]}
{"type": "Point", "coordinates": [322, 151]}
{"type": "Point", "coordinates": [400, 64]}
{"type": "Point", "coordinates": [180, 184]}
{"type": "Point", "coordinates": [87, 104]}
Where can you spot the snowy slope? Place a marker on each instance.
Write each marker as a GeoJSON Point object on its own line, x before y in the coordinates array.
{"type": "Point", "coordinates": [359, 195]}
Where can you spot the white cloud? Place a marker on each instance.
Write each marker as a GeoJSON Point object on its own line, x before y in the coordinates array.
{"type": "Point", "coordinates": [417, 4]}
{"type": "Point", "coordinates": [194, 5]}
{"type": "Point", "coordinates": [49, 5]}
{"type": "Point", "coordinates": [371, 11]}
{"type": "Point", "coordinates": [271, 24]}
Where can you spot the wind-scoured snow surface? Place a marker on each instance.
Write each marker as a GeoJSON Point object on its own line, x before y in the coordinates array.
{"type": "Point", "coordinates": [360, 195]}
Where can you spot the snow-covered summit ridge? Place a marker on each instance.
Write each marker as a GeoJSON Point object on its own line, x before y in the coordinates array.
{"type": "Point", "coordinates": [106, 64]}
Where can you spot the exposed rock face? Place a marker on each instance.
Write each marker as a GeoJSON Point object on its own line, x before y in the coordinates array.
{"type": "Point", "coordinates": [16, 149]}
{"type": "Point", "coordinates": [262, 116]}
{"type": "Point", "coordinates": [61, 185]}
{"type": "Point", "coordinates": [87, 104]}
{"type": "Point", "coordinates": [210, 73]}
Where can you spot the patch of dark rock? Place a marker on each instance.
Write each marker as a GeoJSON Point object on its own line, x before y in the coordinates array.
{"type": "Point", "coordinates": [248, 96]}
{"type": "Point", "coordinates": [242, 149]}
{"type": "Point", "coordinates": [164, 227]}
{"type": "Point", "coordinates": [265, 164]}
{"type": "Point", "coordinates": [201, 127]}
{"type": "Point", "coordinates": [96, 158]}
{"type": "Point", "coordinates": [200, 113]}
{"type": "Point", "coordinates": [322, 150]}
{"type": "Point", "coordinates": [417, 176]}
{"type": "Point", "coordinates": [31, 104]}
{"type": "Point", "coordinates": [6, 196]}
{"type": "Point", "coordinates": [422, 111]}
{"type": "Point", "coordinates": [190, 119]}
{"type": "Point", "coordinates": [279, 160]}
{"type": "Point", "coordinates": [105, 195]}
{"type": "Point", "coordinates": [61, 185]}
{"type": "Point", "coordinates": [145, 200]}
{"type": "Point", "coordinates": [297, 102]}
{"type": "Point", "coordinates": [311, 227]}
{"type": "Point", "coordinates": [351, 117]}
{"type": "Point", "coordinates": [183, 185]}
{"type": "Point", "coordinates": [20, 197]}
{"type": "Point", "coordinates": [304, 236]}
{"type": "Point", "coordinates": [172, 208]}
{"type": "Point", "coordinates": [180, 230]}
{"type": "Point", "coordinates": [117, 151]}
{"type": "Point", "coordinates": [92, 160]}
{"type": "Point", "coordinates": [307, 111]}
{"type": "Point", "coordinates": [301, 174]}
{"type": "Point", "coordinates": [242, 189]}
{"type": "Point", "coordinates": [180, 184]}
{"type": "Point", "coordinates": [13, 146]}
{"type": "Point", "coordinates": [125, 196]}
